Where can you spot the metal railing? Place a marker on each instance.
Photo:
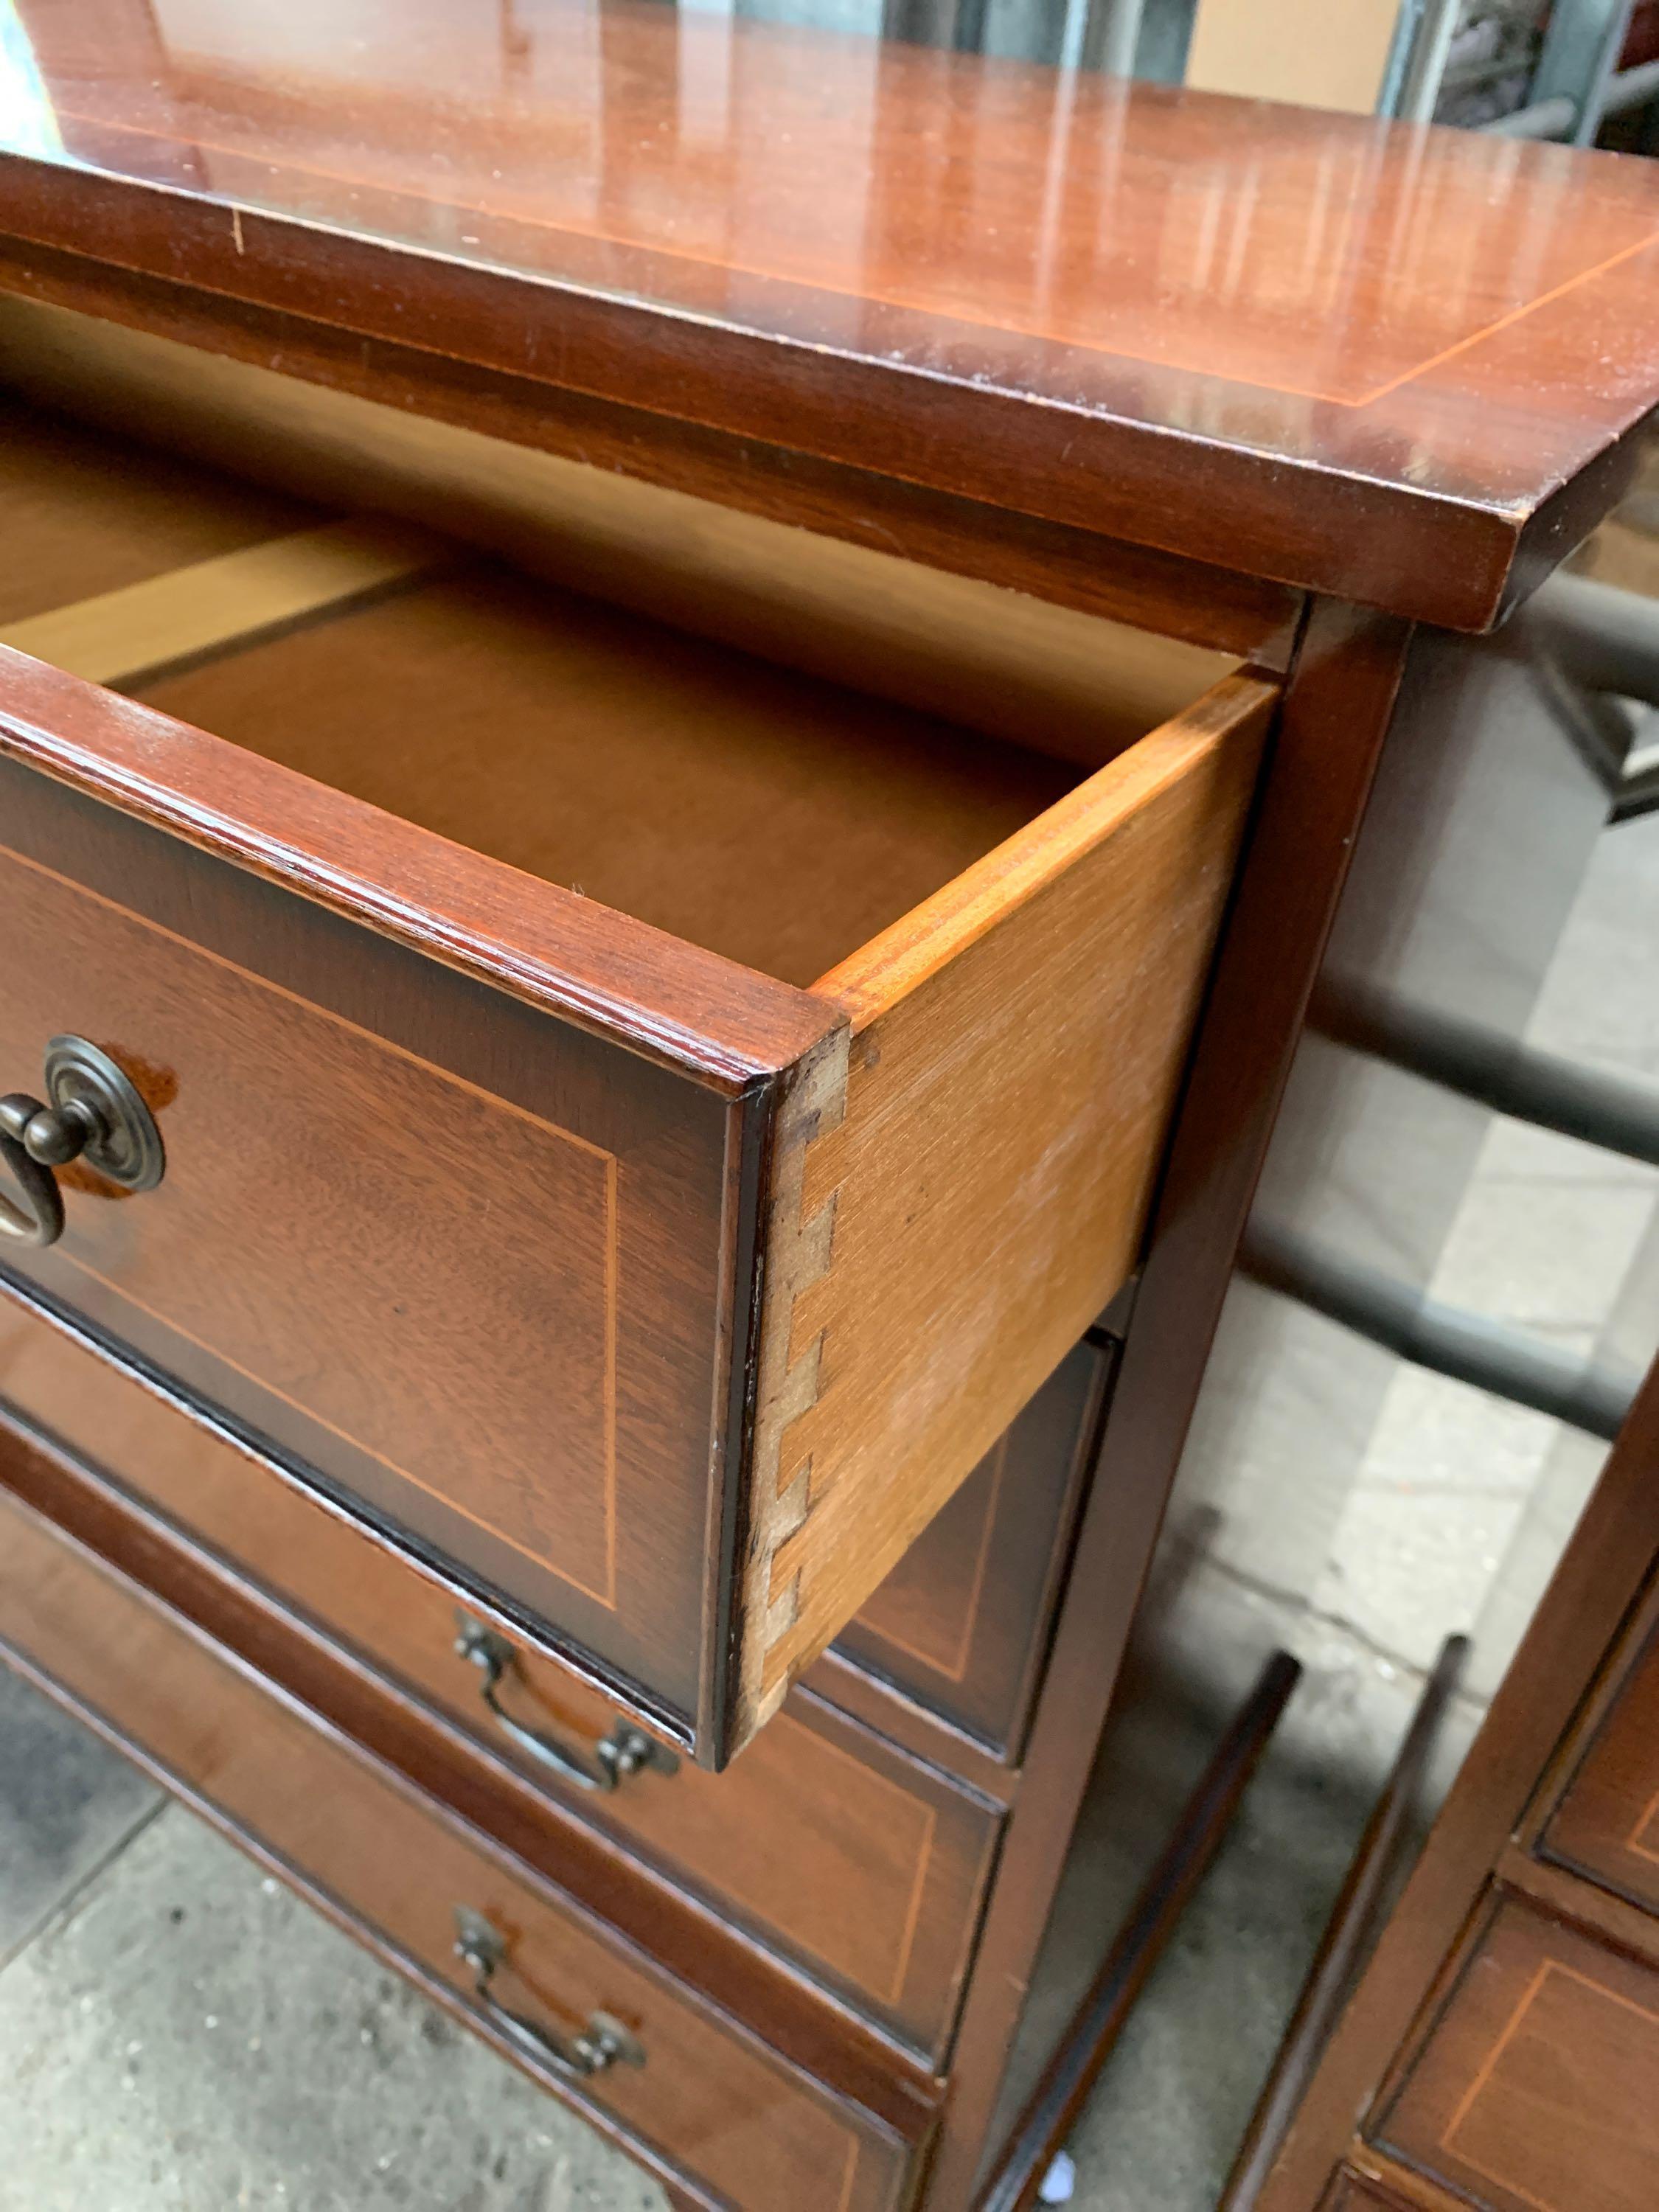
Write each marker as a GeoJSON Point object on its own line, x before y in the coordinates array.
{"type": "Point", "coordinates": [1558, 117]}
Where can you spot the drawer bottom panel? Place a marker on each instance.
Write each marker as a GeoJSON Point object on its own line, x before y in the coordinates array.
{"type": "Point", "coordinates": [718, 2117]}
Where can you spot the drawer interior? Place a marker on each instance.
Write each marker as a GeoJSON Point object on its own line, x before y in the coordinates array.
{"type": "Point", "coordinates": [763, 814]}
{"type": "Point", "coordinates": [760, 811]}
{"type": "Point", "coordinates": [709, 785]}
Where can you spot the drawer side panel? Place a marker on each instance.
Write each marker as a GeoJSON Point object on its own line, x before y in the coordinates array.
{"type": "Point", "coordinates": [1017, 1049]}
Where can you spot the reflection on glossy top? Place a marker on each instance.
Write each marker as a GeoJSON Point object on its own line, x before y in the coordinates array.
{"type": "Point", "coordinates": [1463, 315]}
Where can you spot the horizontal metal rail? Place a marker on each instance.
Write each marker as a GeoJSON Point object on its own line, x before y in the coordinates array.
{"type": "Point", "coordinates": [1638, 794]}
{"type": "Point", "coordinates": [1616, 1113]}
{"type": "Point", "coordinates": [1465, 1347]}
{"type": "Point", "coordinates": [1604, 638]}
{"type": "Point", "coordinates": [1544, 118]}
{"type": "Point", "coordinates": [1554, 118]}
{"type": "Point", "coordinates": [1631, 88]}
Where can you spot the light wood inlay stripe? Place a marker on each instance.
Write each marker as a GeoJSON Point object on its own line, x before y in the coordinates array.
{"type": "Point", "coordinates": [1647, 1820]}
{"type": "Point", "coordinates": [1550, 1971]}
{"type": "Point", "coordinates": [125, 636]}
{"type": "Point", "coordinates": [609, 1164]}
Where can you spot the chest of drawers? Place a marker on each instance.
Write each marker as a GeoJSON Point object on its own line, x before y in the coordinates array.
{"type": "Point", "coordinates": [1498, 2050]}
{"type": "Point", "coordinates": [665, 819]}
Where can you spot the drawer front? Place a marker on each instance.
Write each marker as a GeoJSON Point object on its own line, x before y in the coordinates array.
{"type": "Point", "coordinates": [370, 1160]}
{"type": "Point", "coordinates": [865, 1867]}
{"type": "Point", "coordinates": [960, 1624]}
{"type": "Point", "coordinates": [709, 2104]}
{"type": "Point", "coordinates": [1535, 2092]}
{"type": "Point", "coordinates": [1608, 1824]}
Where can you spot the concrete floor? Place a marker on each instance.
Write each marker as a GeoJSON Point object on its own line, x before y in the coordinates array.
{"type": "Point", "coordinates": [178, 2033]}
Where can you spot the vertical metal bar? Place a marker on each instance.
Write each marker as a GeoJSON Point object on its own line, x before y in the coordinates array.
{"type": "Point", "coordinates": [1581, 50]}
{"type": "Point", "coordinates": [1420, 89]}
{"type": "Point", "coordinates": [1114, 36]}
{"type": "Point", "coordinates": [967, 35]}
{"type": "Point", "coordinates": [1400, 49]}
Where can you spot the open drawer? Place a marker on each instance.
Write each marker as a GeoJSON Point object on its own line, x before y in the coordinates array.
{"type": "Point", "coordinates": [639, 1122]}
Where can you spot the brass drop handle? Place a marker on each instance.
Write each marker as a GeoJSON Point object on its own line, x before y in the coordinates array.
{"type": "Point", "coordinates": [625, 1751]}
{"type": "Point", "coordinates": [93, 1114]}
{"type": "Point", "coordinates": [604, 2042]}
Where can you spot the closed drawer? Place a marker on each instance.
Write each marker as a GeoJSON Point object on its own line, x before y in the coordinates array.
{"type": "Point", "coordinates": [961, 1623]}
{"type": "Point", "coordinates": [1534, 2091]}
{"type": "Point", "coordinates": [638, 1124]}
{"type": "Point", "coordinates": [709, 2106]}
{"type": "Point", "coordinates": [839, 1852]}
{"type": "Point", "coordinates": [1606, 1826]}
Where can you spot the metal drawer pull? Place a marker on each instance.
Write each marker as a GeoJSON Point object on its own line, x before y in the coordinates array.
{"type": "Point", "coordinates": [625, 1751]}
{"type": "Point", "coordinates": [94, 1115]}
{"type": "Point", "coordinates": [604, 2042]}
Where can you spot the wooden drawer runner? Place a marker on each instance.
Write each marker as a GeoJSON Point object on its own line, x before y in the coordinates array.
{"type": "Point", "coordinates": [639, 1124]}
{"type": "Point", "coordinates": [863, 1866]}
{"type": "Point", "coordinates": [1608, 1824]}
{"type": "Point", "coordinates": [1546, 2043]}
{"type": "Point", "coordinates": [710, 2106]}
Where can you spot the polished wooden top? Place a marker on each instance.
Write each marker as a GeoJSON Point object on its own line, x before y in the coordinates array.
{"type": "Point", "coordinates": [1356, 355]}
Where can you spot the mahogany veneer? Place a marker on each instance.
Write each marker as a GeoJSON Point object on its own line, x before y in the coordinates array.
{"type": "Point", "coordinates": [710, 2106]}
{"type": "Point", "coordinates": [1534, 2089]}
{"type": "Point", "coordinates": [1394, 366]}
{"type": "Point", "coordinates": [865, 1867]}
{"type": "Point", "coordinates": [1500, 2048]}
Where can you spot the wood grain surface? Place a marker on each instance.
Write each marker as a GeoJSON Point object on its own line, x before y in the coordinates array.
{"type": "Point", "coordinates": [115, 637]}
{"type": "Point", "coordinates": [1040, 671]}
{"type": "Point", "coordinates": [1323, 753]}
{"type": "Point", "coordinates": [865, 1866]}
{"type": "Point", "coordinates": [1606, 1826]}
{"type": "Point", "coordinates": [776, 820]}
{"type": "Point", "coordinates": [809, 264]}
{"type": "Point", "coordinates": [1535, 2092]}
{"type": "Point", "coordinates": [962, 1621]}
{"type": "Point", "coordinates": [1207, 606]}
{"type": "Point", "coordinates": [1527, 1748]}
{"type": "Point", "coordinates": [719, 1179]}
{"type": "Point", "coordinates": [1017, 1046]}
{"type": "Point", "coordinates": [796, 2018]}
{"type": "Point", "coordinates": [95, 523]}
{"type": "Point", "coordinates": [340, 1119]}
